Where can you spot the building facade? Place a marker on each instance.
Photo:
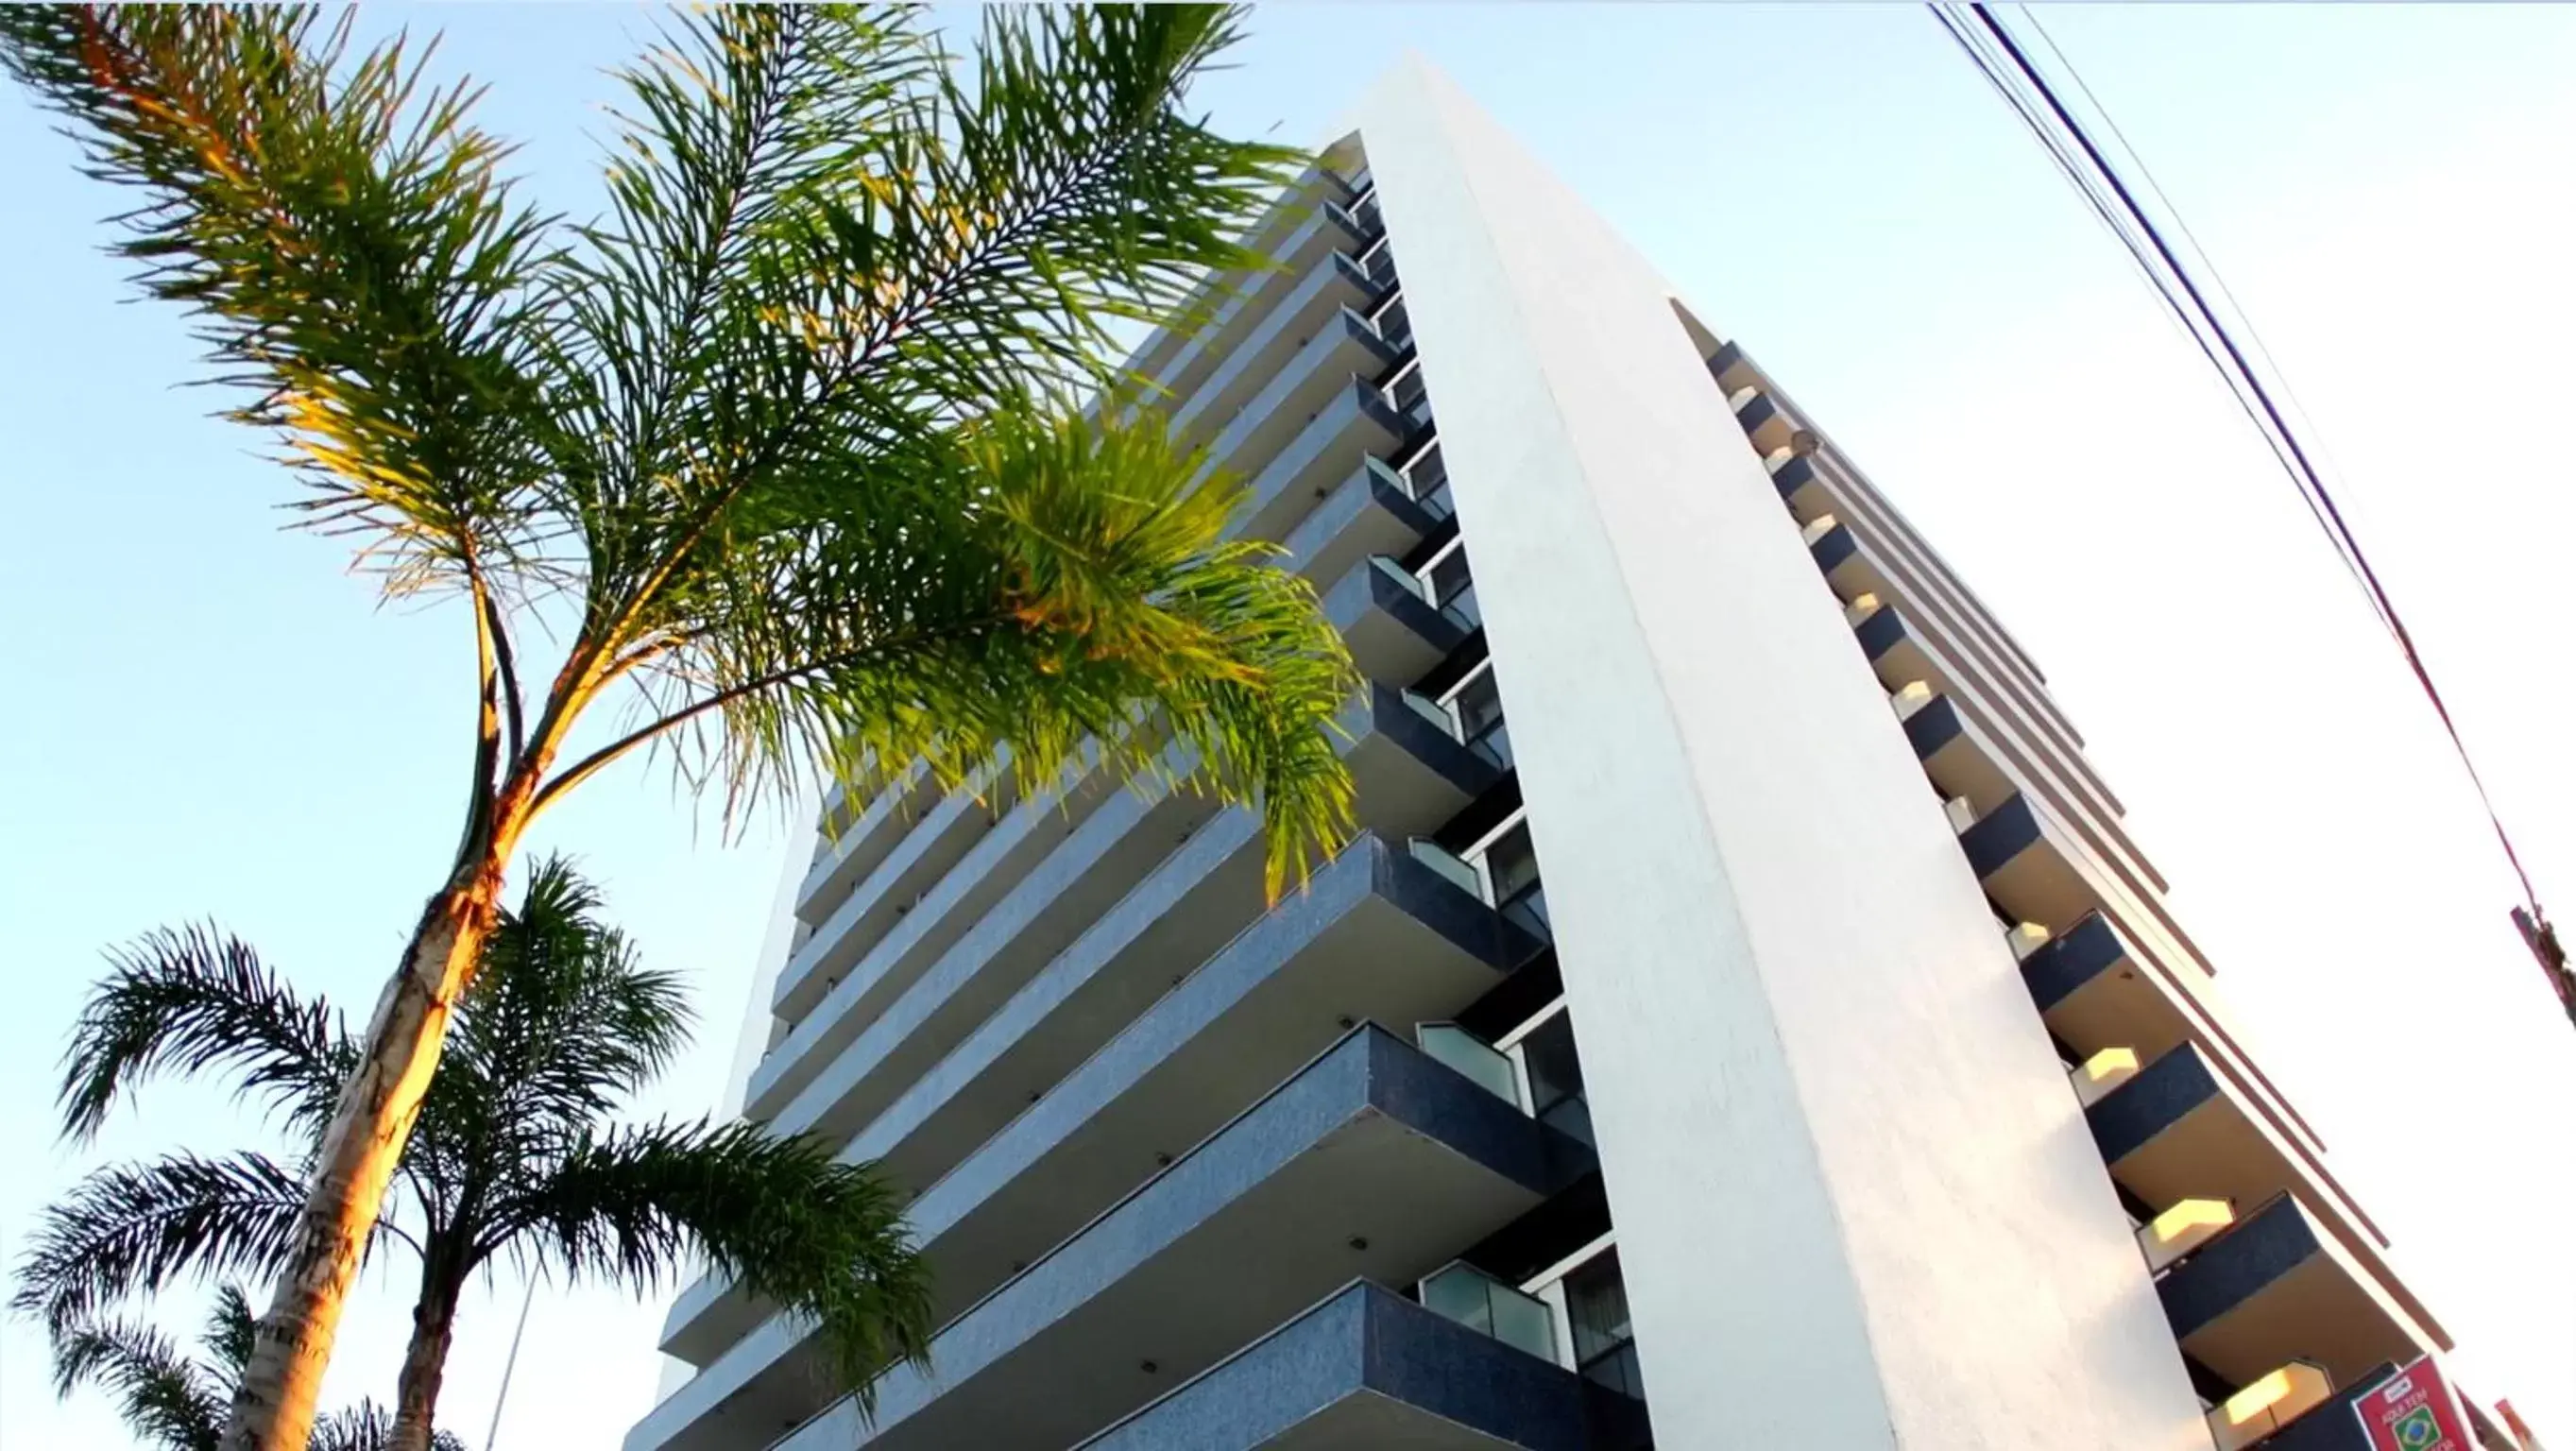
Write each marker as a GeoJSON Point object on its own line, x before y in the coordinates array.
{"type": "Point", "coordinates": [1742, 1020]}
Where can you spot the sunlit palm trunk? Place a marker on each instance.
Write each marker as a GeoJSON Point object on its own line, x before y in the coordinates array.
{"type": "Point", "coordinates": [433, 1331]}
{"type": "Point", "coordinates": [274, 1404]}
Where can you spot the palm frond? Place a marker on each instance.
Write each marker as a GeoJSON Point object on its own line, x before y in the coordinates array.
{"type": "Point", "coordinates": [735, 123]}
{"type": "Point", "coordinates": [367, 1426]}
{"type": "Point", "coordinates": [562, 1024]}
{"type": "Point", "coordinates": [193, 999]}
{"type": "Point", "coordinates": [163, 1396]}
{"type": "Point", "coordinates": [343, 236]}
{"type": "Point", "coordinates": [1057, 580]}
{"type": "Point", "coordinates": [134, 1229]}
{"type": "Point", "coordinates": [779, 1215]}
{"type": "Point", "coordinates": [972, 247]}
{"type": "Point", "coordinates": [229, 1328]}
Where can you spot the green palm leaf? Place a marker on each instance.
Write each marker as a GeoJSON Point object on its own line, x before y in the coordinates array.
{"type": "Point", "coordinates": [135, 1229]}
{"type": "Point", "coordinates": [188, 1000]}
{"type": "Point", "coordinates": [779, 1216]}
{"type": "Point", "coordinates": [783, 449]}
{"type": "Point", "coordinates": [517, 1153]}
{"type": "Point", "coordinates": [163, 1396]}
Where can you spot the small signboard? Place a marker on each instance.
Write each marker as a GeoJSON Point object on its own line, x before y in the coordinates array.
{"type": "Point", "coordinates": [2414, 1410]}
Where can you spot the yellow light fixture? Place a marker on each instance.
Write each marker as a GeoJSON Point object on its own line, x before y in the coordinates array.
{"type": "Point", "coordinates": [2102, 1072]}
{"type": "Point", "coordinates": [2183, 1228]}
{"type": "Point", "coordinates": [2110, 1064]}
{"type": "Point", "coordinates": [2283, 1393]}
{"type": "Point", "coordinates": [2192, 1214]}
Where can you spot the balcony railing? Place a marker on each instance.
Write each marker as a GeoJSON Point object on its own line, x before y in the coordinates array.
{"type": "Point", "coordinates": [1480, 1062]}
{"type": "Point", "coordinates": [1364, 210]}
{"type": "Point", "coordinates": [1426, 487]}
{"type": "Point", "coordinates": [1482, 1303]}
{"type": "Point", "coordinates": [1403, 576]}
{"type": "Point", "coordinates": [1378, 263]}
{"type": "Point", "coordinates": [1433, 711]}
{"type": "Point", "coordinates": [1447, 863]}
{"type": "Point", "coordinates": [1427, 477]}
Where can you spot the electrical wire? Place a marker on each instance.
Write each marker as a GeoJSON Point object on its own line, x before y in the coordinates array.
{"type": "Point", "coordinates": [2106, 209]}
{"type": "Point", "coordinates": [2217, 282]}
{"type": "Point", "coordinates": [2023, 86]}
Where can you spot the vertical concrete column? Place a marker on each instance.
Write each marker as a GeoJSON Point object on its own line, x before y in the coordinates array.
{"type": "Point", "coordinates": [1856, 1203]}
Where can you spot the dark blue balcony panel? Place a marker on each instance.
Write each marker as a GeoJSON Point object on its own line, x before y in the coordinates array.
{"type": "Point", "coordinates": [1350, 425]}
{"type": "Point", "coordinates": [2000, 836]}
{"type": "Point", "coordinates": [2164, 1094]}
{"type": "Point", "coordinates": [1758, 410]}
{"type": "Point", "coordinates": [1169, 852]}
{"type": "Point", "coordinates": [1372, 1162]}
{"type": "Point", "coordinates": [1369, 512]}
{"type": "Point", "coordinates": [2075, 960]}
{"type": "Point", "coordinates": [1287, 322]}
{"type": "Point", "coordinates": [1833, 548]}
{"type": "Point", "coordinates": [944, 833]}
{"type": "Point", "coordinates": [1359, 232]}
{"type": "Point", "coordinates": [1933, 727]}
{"type": "Point", "coordinates": [1241, 302]}
{"type": "Point", "coordinates": [2252, 1255]}
{"type": "Point", "coordinates": [1374, 288]}
{"type": "Point", "coordinates": [1882, 629]}
{"type": "Point", "coordinates": [1958, 758]}
{"type": "Point", "coordinates": [1794, 475]}
{"type": "Point", "coordinates": [1376, 937]}
{"type": "Point", "coordinates": [2094, 993]}
{"type": "Point", "coordinates": [2277, 1286]}
{"type": "Point", "coordinates": [863, 833]}
{"type": "Point", "coordinates": [1367, 1368]}
{"type": "Point", "coordinates": [2023, 857]}
{"type": "Point", "coordinates": [1726, 356]}
{"type": "Point", "coordinates": [1343, 345]}
{"type": "Point", "coordinates": [1394, 633]}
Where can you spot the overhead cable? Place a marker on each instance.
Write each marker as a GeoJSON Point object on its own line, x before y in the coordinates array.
{"type": "Point", "coordinates": [2008, 68]}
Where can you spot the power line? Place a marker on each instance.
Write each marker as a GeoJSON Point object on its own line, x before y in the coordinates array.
{"type": "Point", "coordinates": [2217, 282]}
{"type": "Point", "coordinates": [2114, 219]}
{"type": "Point", "coordinates": [2011, 72]}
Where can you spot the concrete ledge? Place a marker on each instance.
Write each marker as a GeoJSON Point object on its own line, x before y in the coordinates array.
{"type": "Point", "coordinates": [1366, 1368]}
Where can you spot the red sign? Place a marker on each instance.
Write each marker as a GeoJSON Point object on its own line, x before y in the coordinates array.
{"type": "Point", "coordinates": [2414, 1410]}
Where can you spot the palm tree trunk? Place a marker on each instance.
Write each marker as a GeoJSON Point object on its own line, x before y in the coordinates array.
{"type": "Point", "coordinates": [273, 1405]}
{"type": "Point", "coordinates": [424, 1367]}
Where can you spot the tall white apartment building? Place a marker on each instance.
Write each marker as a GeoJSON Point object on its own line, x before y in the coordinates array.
{"type": "Point", "coordinates": [1743, 1022]}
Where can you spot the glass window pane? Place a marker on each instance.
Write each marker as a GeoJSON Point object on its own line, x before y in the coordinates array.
{"type": "Point", "coordinates": [1431, 854]}
{"type": "Point", "coordinates": [1448, 576]}
{"type": "Point", "coordinates": [1460, 1293]}
{"type": "Point", "coordinates": [1479, 705]}
{"type": "Point", "coordinates": [1571, 1117]}
{"type": "Point", "coordinates": [1511, 864]}
{"type": "Point", "coordinates": [1488, 1068]}
{"type": "Point", "coordinates": [1618, 1370]}
{"type": "Point", "coordinates": [1548, 1056]}
{"type": "Point", "coordinates": [1428, 473]}
{"type": "Point", "coordinates": [1523, 1322]}
{"type": "Point", "coordinates": [1596, 1302]}
{"type": "Point", "coordinates": [1395, 325]}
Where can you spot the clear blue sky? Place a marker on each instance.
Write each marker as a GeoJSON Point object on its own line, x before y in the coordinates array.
{"type": "Point", "coordinates": [213, 718]}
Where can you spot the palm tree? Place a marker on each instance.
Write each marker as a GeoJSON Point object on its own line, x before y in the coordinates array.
{"type": "Point", "coordinates": [174, 1403]}
{"type": "Point", "coordinates": [780, 448]}
{"type": "Point", "coordinates": [513, 1154]}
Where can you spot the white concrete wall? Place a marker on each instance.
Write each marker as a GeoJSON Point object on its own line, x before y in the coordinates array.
{"type": "Point", "coordinates": [1855, 1199]}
